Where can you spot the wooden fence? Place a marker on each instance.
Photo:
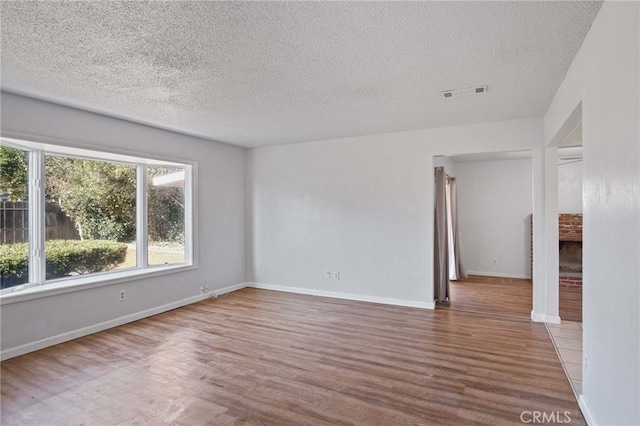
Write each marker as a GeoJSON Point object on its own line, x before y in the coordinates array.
{"type": "Point", "coordinates": [14, 223]}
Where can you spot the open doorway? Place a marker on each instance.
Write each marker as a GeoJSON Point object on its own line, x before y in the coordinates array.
{"type": "Point", "coordinates": [495, 203]}
{"type": "Point", "coordinates": [567, 336]}
{"type": "Point", "coordinates": [570, 225]}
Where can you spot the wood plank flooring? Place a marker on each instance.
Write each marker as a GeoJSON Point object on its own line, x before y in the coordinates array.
{"type": "Point", "coordinates": [508, 297]}
{"type": "Point", "coordinates": [571, 304]}
{"type": "Point", "coordinates": [491, 295]}
{"type": "Point", "coordinates": [265, 357]}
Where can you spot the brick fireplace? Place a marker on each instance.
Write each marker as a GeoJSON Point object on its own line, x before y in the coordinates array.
{"type": "Point", "coordinates": [570, 245]}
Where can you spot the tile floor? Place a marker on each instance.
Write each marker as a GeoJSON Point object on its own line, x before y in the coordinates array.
{"type": "Point", "coordinates": [567, 338]}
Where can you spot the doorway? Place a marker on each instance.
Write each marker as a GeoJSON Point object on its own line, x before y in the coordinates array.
{"type": "Point", "coordinates": [570, 226]}
{"type": "Point", "coordinates": [567, 336]}
{"type": "Point", "coordinates": [494, 199]}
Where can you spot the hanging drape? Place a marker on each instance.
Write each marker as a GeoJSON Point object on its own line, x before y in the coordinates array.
{"type": "Point", "coordinates": [440, 262]}
{"type": "Point", "coordinates": [456, 268]}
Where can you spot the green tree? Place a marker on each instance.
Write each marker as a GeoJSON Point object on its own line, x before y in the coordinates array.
{"type": "Point", "coordinates": [14, 173]}
{"type": "Point", "coordinates": [166, 208]}
{"type": "Point", "coordinates": [99, 196]}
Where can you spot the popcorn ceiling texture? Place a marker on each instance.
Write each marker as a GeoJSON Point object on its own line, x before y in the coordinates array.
{"type": "Point", "coordinates": [267, 73]}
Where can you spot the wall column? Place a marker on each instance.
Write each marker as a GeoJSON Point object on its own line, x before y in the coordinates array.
{"type": "Point", "coordinates": [551, 251]}
{"type": "Point", "coordinates": [538, 235]}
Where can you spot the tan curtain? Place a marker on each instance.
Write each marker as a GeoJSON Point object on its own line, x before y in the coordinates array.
{"type": "Point", "coordinates": [456, 268]}
{"type": "Point", "coordinates": [440, 261]}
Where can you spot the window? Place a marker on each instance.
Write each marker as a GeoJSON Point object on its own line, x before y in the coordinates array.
{"type": "Point", "coordinates": [165, 226]}
{"type": "Point", "coordinates": [89, 205]}
{"type": "Point", "coordinates": [91, 213]}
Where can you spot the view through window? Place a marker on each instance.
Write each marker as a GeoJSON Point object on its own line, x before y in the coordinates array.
{"type": "Point", "coordinates": [14, 216]}
{"type": "Point", "coordinates": [93, 214]}
{"type": "Point", "coordinates": [90, 216]}
{"type": "Point", "coordinates": [166, 215]}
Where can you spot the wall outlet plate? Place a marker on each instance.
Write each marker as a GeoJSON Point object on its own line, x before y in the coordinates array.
{"type": "Point", "coordinates": [327, 273]}
{"type": "Point", "coordinates": [586, 365]}
{"type": "Point", "coordinates": [122, 295]}
{"type": "Point", "coordinates": [336, 275]}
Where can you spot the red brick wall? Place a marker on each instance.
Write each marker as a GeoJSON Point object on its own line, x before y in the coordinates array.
{"type": "Point", "coordinates": [570, 227]}
{"type": "Point", "coordinates": [570, 280]}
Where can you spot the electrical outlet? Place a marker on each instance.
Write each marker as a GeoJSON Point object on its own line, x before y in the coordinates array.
{"type": "Point", "coordinates": [123, 295]}
{"type": "Point", "coordinates": [495, 261]}
{"type": "Point", "coordinates": [206, 289]}
{"type": "Point", "coordinates": [327, 274]}
{"type": "Point", "coordinates": [201, 289]}
{"type": "Point", "coordinates": [336, 275]}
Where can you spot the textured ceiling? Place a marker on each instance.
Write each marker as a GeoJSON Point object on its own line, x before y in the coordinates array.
{"type": "Point", "coordinates": [266, 73]}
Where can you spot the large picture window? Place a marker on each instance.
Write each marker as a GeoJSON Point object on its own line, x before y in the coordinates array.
{"type": "Point", "coordinates": [68, 213]}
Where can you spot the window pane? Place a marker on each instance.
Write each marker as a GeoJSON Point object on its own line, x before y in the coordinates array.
{"type": "Point", "coordinates": [14, 217]}
{"type": "Point", "coordinates": [166, 215]}
{"type": "Point", "coordinates": [90, 216]}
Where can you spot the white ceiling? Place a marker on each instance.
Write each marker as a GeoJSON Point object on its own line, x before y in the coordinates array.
{"type": "Point", "coordinates": [574, 138]}
{"type": "Point", "coordinates": [265, 73]}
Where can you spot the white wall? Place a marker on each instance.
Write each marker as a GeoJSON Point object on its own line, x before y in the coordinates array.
{"type": "Point", "coordinates": [362, 206]}
{"type": "Point", "coordinates": [447, 163]}
{"type": "Point", "coordinates": [570, 187]}
{"type": "Point", "coordinates": [220, 221]}
{"type": "Point", "coordinates": [494, 209]}
{"type": "Point", "coordinates": [604, 77]}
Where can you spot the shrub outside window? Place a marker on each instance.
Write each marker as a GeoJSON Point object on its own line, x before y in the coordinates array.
{"type": "Point", "coordinates": [91, 213]}
{"type": "Point", "coordinates": [166, 215]}
{"type": "Point", "coordinates": [14, 216]}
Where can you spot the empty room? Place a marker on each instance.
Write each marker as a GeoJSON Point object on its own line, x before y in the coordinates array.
{"type": "Point", "coordinates": [319, 213]}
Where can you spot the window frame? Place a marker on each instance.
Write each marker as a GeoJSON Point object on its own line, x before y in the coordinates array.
{"type": "Point", "coordinates": [38, 285]}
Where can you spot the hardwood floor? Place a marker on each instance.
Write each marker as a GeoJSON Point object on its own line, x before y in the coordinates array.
{"type": "Point", "coordinates": [571, 304]}
{"type": "Point", "coordinates": [265, 357]}
{"type": "Point", "coordinates": [491, 295]}
{"type": "Point", "coordinates": [508, 297]}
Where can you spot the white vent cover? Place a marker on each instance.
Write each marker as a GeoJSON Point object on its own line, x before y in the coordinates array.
{"type": "Point", "coordinates": [463, 92]}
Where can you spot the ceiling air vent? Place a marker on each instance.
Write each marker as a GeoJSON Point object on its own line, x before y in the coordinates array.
{"type": "Point", "coordinates": [463, 92]}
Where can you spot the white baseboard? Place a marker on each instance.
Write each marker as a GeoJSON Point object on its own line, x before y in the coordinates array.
{"type": "Point", "coordinates": [229, 289]}
{"type": "Point", "coordinates": [499, 275]}
{"type": "Point", "coordinates": [551, 319]}
{"type": "Point", "coordinates": [347, 296]}
{"type": "Point", "coordinates": [586, 412]}
{"type": "Point", "coordinates": [64, 337]}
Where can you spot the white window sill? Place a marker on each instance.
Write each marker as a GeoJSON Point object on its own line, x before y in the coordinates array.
{"type": "Point", "coordinates": [68, 285]}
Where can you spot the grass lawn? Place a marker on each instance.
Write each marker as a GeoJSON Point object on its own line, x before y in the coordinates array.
{"type": "Point", "coordinates": [157, 256]}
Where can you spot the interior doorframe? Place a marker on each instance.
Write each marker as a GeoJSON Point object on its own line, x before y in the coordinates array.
{"type": "Point", "coordinates": [539, 181]}
{"type": "Point", "coordinates": [546, 256]}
